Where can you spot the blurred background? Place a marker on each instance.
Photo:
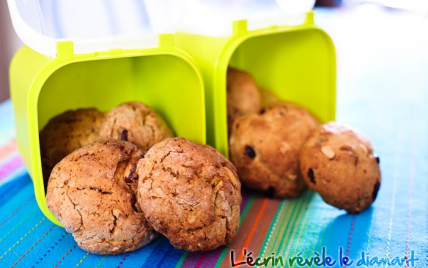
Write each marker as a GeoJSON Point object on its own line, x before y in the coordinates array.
{"type": "Point", "coordinates": [9, 44]}
{"type": "Point", "coordinates": [378, 29]}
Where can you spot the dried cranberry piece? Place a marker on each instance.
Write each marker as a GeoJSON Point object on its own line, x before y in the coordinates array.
{"type": "Point", "coordinates": [249, 151]}
{"type": "Point", "coordinates": [311, 175]}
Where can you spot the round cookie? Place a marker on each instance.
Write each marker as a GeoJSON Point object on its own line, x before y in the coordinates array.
{"type": "Point", "coordinates": [265, 149]}
{"type": "Point", "coordinates": [243, 96]}
{"type": "Point", "coordinates": [92, 194]}
{"type": "Point", "coordinates": [190, 193]}
{"type": "Point", "coordinates": [339, 164]}
{"type": "Point", "coordinates": [65, 133]}
{"type": "Point", "coordinates": [136, 123]}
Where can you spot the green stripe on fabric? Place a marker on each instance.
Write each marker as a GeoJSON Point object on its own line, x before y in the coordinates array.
{"type": "Point", "coordinates": [221, 258]}
{"type": "Point", "coordinates": [287, 207]}
{"type": "Point", "coordinates": [271, 228]}
{"type": "Point", "coordinates": [247, 207]}
{"type": "Point", "coordinates": [180, 262]}
{"type": "Point", "coordinates": [303, 227]}
{"type": "Point", "coordinates": [317, 245]}
{"type": "Point", "coordinates": [286, 213]}
{"type": "Point", "coordinates": [301, 202]}
{"type": "Point", "coordinates": [101, 261]}
{"type": "Point", "coordinates": [244, 213]}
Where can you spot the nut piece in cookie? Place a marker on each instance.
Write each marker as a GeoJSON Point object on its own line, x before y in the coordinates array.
{"type": "Point", "coordinates": [339, 164]}
{"type": "Point", "coordinates": [243, 96]}
{"type": "Point", "coordinates": [265, 149]}
{"type": "Point", "coordinates": [190, 193]}
{"type": "Point", "coordinates": [65, 133]}
{"type": "Point", "coordinates": [136, 123]}
{"type": "Point", "coordinates": [92, 193]}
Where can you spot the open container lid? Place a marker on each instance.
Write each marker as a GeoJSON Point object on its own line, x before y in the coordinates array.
{"type": "Point", "coordinates": [92, 26]}
{"type": "Point", "coordinates": [215, 17]}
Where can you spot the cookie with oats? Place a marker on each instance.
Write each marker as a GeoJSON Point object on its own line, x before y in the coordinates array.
{"type": "Point", "coordinates": [265, 148]}
{"type": "Point", "coordinates": [92, 194]}
{"type": "Point", "coordinates": [134, 122]}
{"type": "Point", "coordinates": [339, 164]}
{"type": "Point", "coordinates": [190, 193]}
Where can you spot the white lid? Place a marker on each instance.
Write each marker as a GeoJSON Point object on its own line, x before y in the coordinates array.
{"type": "Point", "coordinates": [215, 17]}
{"type": "Point", "coordinates": [92, 25]}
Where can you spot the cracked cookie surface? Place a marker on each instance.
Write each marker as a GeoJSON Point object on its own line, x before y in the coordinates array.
{"type": "Point", "coordinates": [265, 149]}
{"type": "Point", "coordinates": [243, 96]}
{"type": "Point", "coordinates": [92, 194]}
{"type": "Point", "coordinates": [190, 193]}
{"type": "Point", "coordinates": [65, 133]}
{"type": "Point", "coordinates": [134, 122]}
{"type": "Point", "coordinates": [339, 164]}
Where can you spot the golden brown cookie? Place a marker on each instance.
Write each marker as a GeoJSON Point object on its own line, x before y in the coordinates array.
{"type": "Point", "coordinates": [136, 123]}
{"type": "Point", "coordinates": [268, 97]}
{"type": "Point", "coordinates": [65, 133]}
{"type": "Point", "coordinates": [339, 164]}
{"type": "Point", "coordinates": [265, 149]}
{"type": "Point", "coordinates": [92, 194]}
{"type": "Point", "coordinates": [190, 193]}
{"type": "Point", "coordinates": [243, 96]}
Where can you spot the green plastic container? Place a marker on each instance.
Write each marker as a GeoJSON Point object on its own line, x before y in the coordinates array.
{"type": "Point", "coordinates": [163, 77]}
{"type": "Point", "coordinates": [296, 62]}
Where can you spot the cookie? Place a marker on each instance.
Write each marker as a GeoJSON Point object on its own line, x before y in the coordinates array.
{"type": "Point", "coordinates": [339, 164]}
{"type": "Point", "coordinates": [92, 194]}
{"type": "Point", "coordinates": [65, 133]}
{"type": "Point", "coordinates": [243, 96]}
{"type": "Point", "coordinates": [268, 97]}
{"type": "Point", "coordinates": [136, 123]}
{"type": "Point", "coordinates": [265, 149]}
{"type": "Point", "coordinates": [190, 193]}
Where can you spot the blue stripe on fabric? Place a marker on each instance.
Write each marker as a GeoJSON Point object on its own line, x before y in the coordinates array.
{"type": "Point", "coordinates": [156, 256]}
{"type": "Point", "coordinates": [20, 186]}
{"type": "Point", "coordinates": [171, 258]}
{"type": "Point", "coordinates": [28, 236]}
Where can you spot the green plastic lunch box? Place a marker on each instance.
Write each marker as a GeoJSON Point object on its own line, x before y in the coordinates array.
{"type": "Point", "coordinates": [102, 53]}
{"type": "Point", "coordinates": [80, 59]}
{"type": "Point", "coordinates": [278, 44]}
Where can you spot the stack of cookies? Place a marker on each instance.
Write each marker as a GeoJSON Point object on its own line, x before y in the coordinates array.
{"type": "Point", "coordinates": [116, 180]}
{"type": "Point", "coordinates": [280, 149]}
{"type": "Point", "coordinates": [67, 132]}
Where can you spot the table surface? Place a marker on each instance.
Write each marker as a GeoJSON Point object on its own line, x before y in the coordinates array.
{"type": "Point", "coordinates": [382, 91]}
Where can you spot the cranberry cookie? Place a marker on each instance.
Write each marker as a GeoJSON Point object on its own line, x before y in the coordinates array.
{"type": "Point", "coordinates": [243, 96]}
{"type": "Point", "coordinates": [339, 164]}
{"type": "Point", "coordinates": [190, 193]}
{"type": "Point", "coordinates": [136, 123]}
{"type": "Point", "coordinates": [265, 149]}
{"type": "Point", "coordinates": [92, 194]}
